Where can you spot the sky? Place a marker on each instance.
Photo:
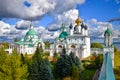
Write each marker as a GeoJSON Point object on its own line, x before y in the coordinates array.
{"type": "Point", "coordinates": [47, 16]}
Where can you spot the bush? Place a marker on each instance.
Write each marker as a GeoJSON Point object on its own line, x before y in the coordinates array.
{"type": "Point", "coordinates": [96, 45]}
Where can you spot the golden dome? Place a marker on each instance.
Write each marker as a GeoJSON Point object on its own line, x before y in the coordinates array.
{"type": "Point", "coordinates": [78, 21]}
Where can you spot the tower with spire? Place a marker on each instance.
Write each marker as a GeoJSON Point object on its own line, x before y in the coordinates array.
{"type": "Point", "coordinates": [108, 44]}
{"type": "Point", "coordinates": [106, 72]}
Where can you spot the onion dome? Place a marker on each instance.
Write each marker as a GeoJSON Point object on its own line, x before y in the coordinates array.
{"type": "Point", "coordinates": [71, 26]}
{"type": "Point", "coordinates": [82, 25]}
{"type": "Point", "coordinates": [63, 35]}
{"type": "Point", "coordinates": [75, 28]}
{"type": "Point", "coordinates": [85, 27]}
{"type": "Point", "coordinates": [31, 32]}
{"type": "Point", "coordinates": [108, 31]}
{"type": "Point", "coordinates": [78, 21]}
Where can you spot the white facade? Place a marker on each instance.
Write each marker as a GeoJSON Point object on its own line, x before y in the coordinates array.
{"type": "Point", "coordinates": [28, 44]}
{"type": "Point", "coordinates": [76, 40]}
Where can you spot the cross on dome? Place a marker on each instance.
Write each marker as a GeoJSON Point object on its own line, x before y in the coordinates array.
{"type": "Point", "coordinates": [31, 26]}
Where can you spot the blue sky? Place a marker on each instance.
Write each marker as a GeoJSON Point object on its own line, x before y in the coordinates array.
{"type": "Point", "coordinates": [99, 9]}
{"type": "Point", "coordinates": [102, 10]}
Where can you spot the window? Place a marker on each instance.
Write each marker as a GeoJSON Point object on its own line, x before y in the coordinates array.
{"type": "Point", "coordinates": [72, 46]}
{"type": "Point", "coordinates": [60, 46]}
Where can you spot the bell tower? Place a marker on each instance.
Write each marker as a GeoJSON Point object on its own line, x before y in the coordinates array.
{"type": "Point", "coordinates": [108, 44]}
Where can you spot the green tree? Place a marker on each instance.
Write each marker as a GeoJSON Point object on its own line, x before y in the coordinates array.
{"type": "Point", "coordinates": [96, 45]}
{"type": "Point", "coordinates": [47, 44]}
{"type": "Point", "coordinates": [12, 68]}
{"type": "Point", "coordinates": [75, 73]}
{"type": "Point", "coordinates": [38, 54]}
{"type": "Point", "coordinates": [34, 67]}
{"type": "Point", "coordinates": [75, 66]}
{"type": "Point", "coordinates": [5, 45]}
{"type": "Point", "coordinates": [55, 55]}
{"type": "Point", "coordinates": [15, 40]}
{"type": "Point", "coordinates": [75, 61]}
{"type": "Point", "coordinates": [115, 49]}
{"type": "Point", "coordinates": [23, 59]}
{"type": "Point", "coordinates": [45, 70]}
{"type": "Point", "coordinates": [40, 68]}
{"type": "Point", "coordinates": [62, 66]}
{"type": "Point", "coordinates": [65, 63]}
{"type": "Point", "coordinates": [63, 51]}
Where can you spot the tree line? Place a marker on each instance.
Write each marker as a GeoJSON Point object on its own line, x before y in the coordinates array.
{"type": "Point", "coordinates": [17, 66]}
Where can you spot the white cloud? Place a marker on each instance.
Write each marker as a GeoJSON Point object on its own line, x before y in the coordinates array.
{"type": "Point", "coordinates": [65, 5]}
{"type": "Point", "coordinates": [38, 8]}
{"type": "Point", "coordinates": [45, 34]}
{"type": "Point", "coordinates": [97, 28]}
{"type": "Point", "coordinates": [9, 31]}
{"type": "Point", "coordinates": [4, 27]}
{"type": "Point", "coordinates": [22, 25]}
{"type": "Point", "coordinates": [67, 18]}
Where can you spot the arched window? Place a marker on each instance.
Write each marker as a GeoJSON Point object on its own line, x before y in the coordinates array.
{"type": "Point", "coordinates": [72, 46]}
{"type": "Point", "coordinates": [60, 46]}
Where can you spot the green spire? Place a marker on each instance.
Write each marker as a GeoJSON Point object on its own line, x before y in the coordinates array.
{"type": "Point", "coordinates": [31, 26]}
{"type": "Point", "coordinates": [63, 27]}
{"type": "Point", "coordinates": [106, 72]}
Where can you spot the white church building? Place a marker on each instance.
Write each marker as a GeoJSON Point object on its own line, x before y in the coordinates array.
{"type": "Point", "coordinates": [28, 44]}
{"type": "Point", "coordinates": [75, 40]}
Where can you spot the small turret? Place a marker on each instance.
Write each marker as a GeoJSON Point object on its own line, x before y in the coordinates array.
{"type": "Point", "coordinates": [71, 29]}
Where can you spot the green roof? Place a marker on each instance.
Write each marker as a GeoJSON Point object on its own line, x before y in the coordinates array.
{"type": "Point", "coordinates": [108, 31]}
{"type": "Point", "coordinates": [106, 72]}
{"type": "Point", "coordinates": [20, 43]}
{"type": "Point", "coordinates": [63, 35]}
{"type": "Point", "coordinates": [31, 32]}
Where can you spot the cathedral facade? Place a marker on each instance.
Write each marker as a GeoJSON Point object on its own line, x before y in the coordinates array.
{"type": "Point", "coordinates": [75, 40]}
{"type": "Point", "coordinates": [28, 44]}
